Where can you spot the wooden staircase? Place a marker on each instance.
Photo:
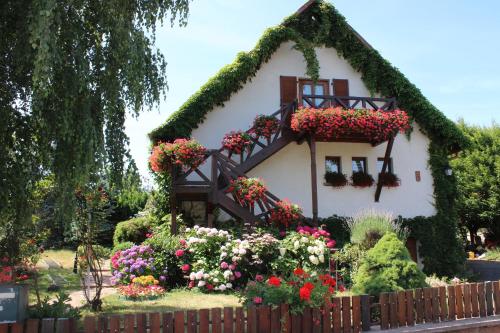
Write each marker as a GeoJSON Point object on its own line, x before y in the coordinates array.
{"type": "Point", "coordinates": [211, 180]}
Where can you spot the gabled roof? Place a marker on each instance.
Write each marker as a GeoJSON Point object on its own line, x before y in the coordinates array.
{"type": "Point", "coordinates": [318, 23]}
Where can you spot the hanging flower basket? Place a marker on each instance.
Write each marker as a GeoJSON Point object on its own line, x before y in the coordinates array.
{"type": "Point", "coordinates": [388, 179]}
{"type": "Point", "coordinates": [285, 213]}
{"type": "Point", "coordinates": [187, 153]}
{"type": "Point", "coordinates": [247, 190]}
{"type": "Point", "coordinates": [334, 123]}
{"type": "Point", "coordinates": [265, 126]}
{"type": "Point", "coordinates": [362, 179]}
{"type": "Point", "coordinates": [335, 179]}
{"type": "Point", "coordinates": [236, 142]}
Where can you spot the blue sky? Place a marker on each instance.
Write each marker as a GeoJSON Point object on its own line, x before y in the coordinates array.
{"type": "Point", "coordinates": [450, 49]}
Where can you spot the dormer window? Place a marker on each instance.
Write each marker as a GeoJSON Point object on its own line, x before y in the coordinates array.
{"type": "Point", "coordinates": [310, 88]}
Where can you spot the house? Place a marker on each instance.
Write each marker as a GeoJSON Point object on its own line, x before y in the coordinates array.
{"type": "Point", "coordinates": [314, 53]}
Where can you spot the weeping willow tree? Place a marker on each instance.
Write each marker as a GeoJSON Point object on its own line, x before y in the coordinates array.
{"type": "Point", "coordinates": [70, 70]}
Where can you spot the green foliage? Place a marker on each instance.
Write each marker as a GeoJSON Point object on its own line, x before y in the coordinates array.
{"type": "Point", "coordinates": [477, 170]}
{"type": "Point", "coordinates": [121, 246]}
{"type": "Point", "coordinates": [133, 230]}
{"type": "Point", "coordinates": [57, 308]}
{"type": "Point", "coordinates": [164, 245]}
{"type": "Point", "coordinates": [492, 254]}
{"type": "Point", "coordinates": [387, 267]}
{"type": "Point", "coordinates": [338, 228]}
{"type": "Point", "coordinates": [348, 260]}
{"type": "Point", "coordinates": [369, 226]}
{"type": "Point", "coordinates": [70, 70]}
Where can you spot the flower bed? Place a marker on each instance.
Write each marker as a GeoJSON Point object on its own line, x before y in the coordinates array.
{"type": "Point", "coordinates": [184, 152]}
{"type": "Point", "coordinates": [144, 287]}
{"type": "Point", "coordinates": [285, 213]}
{"type": "Point", "coordinates": [236, 142]}
{"type": "Point", "coordinates": [265, 126]}
{"type": "Point", "coordinates": [247, 190]}
{"type": "Point", "coordinates": [335, 179]}
{"type": "Point", "coordinates": [132, 263]}
{"type": "Point", "coordinates": [337, 122]}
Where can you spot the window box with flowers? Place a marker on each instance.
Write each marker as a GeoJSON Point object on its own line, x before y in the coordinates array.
{"type": "Point", "coordinates": [388, 179]}
{"type": "Point", "coordinates": [335, 179]}
{"type": "Point", "coordinates": [264, 126]}
{"type": "Point", "coordinates": [361, 179]}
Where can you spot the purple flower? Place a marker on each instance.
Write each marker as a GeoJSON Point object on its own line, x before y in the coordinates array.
{"type": "Point", "coordinates": [162, 278]}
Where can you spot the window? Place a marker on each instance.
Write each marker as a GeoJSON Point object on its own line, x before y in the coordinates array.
{"type": "Point", "coordinates": [359, 165]}
{"type": "Point", "coordinates": [380, 163]}
{"type": "Point", "coordinates": [332, 164]}
{"type": "Point", "coordinates": [308, 87]}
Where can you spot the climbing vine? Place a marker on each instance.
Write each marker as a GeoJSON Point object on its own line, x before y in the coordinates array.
{"type": "Point", "coordinates": [321, 25]}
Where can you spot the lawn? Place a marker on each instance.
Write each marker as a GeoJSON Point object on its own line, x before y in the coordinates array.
{"type": "Point", "coordinates": [179, 299]}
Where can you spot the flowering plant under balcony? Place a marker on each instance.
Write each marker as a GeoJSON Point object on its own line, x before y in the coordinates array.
{"type": "Point", "coordinates": [337, 122]}
{"type": "Point", "coordinates": [388, 179]}
{"type": "Point", "coordinates": [335, 179]}
{"type": "Point", "coordinates": [236, 141]}
{"type": "Point", "coordinates": [265, 126]}
{"type": "Point", "coordinates": [247, 190]}
{"type": "Point", "coordinates": [285, 213]}
{"type": "Point", "coordinates": [184, 152]}
{"type": "Point", "coordinates": [362, 179]}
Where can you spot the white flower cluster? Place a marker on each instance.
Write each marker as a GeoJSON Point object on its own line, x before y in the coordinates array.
{"type": "Point", "coordinates": [235, 250]}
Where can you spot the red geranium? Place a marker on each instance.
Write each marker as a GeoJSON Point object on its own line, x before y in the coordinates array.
{"type": "Point", "coordinates": [247, 190]}
{"type": "Point", "coordinates": [305, 293]}
{"type": "Point", "coordinates": [298, 272]}
{"type": "Point", "coordinates": [332, 123]}
{"type": "Point", "coordinates": [274, 281]}
{"type": "Point", "coordinates": [265, 126]}
{"type": "Point", "coordinates": [236, 142]}
{"type": "Point", "coordinates": [184, 152]}
{"type": "Point", "coordinates": [285, 213]}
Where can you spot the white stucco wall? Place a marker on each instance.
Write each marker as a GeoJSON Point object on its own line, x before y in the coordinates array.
{"type": "Point", "coordinates": [287, 173]}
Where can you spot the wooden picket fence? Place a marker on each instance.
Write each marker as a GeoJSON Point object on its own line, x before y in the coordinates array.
{"type": "Point", "coordinates": [347, 315]}
{"type": "Point", "coordinates": [432, 305]}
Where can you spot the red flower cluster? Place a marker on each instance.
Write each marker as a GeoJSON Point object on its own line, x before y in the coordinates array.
{"type": "Point", "coordinates": [236, 142]}
{"type": "Point", "coordinates": [265, 126]}
{"type": "Point", "coordinates": [247, 190]}
{"type": "Point", "coordinates": [337, 122]}
{"type": "Point", "coordinates": [285, 213]}
{"type": "Point", "coordinates": [6, 274]}
{"type": "Point", "coordinates": [274, 281]}
{"type": "Point", "coordinates": [188, 153]}
{"type": "Point", "coordinates": [305, 291]}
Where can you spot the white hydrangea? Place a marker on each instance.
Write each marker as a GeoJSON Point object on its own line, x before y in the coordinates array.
{"type": "Point", "coordinates": [206, 276]}
{"type": "Point", "coordinates": [228, 274]}
{"type": "Point", "coordinates": [199, 275]}
{"type": "Point", "coordinates": [314, 259]}
{"type": "Point", "coordinates": [242, 251]}
{"type": "Point", "coordinates": [216, 280]}
{"type": "Point", "coordinates": [229, 285]}
{"type": "Point", "coordinates": [201, 283]}
{"type": "Point", "coordinates": [321, 258]}
{"type": "Point", "coordinates": [223, 254]}
{"type": "Point", "coordinates": [296, 245]}
{"type": "Point", "coordinates": [310, 249]}
{"type": "Point", "coordinates": [304, 240]}
{"type": "Point", "coordinates": [192, 276]}
{"type": "Point", "coordinates": [222, 287]}
{"type": "Point", "coordinates": [282, 251]}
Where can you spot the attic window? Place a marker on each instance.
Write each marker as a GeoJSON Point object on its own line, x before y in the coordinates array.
{"type": "Point", "coordinates": [309, 88]}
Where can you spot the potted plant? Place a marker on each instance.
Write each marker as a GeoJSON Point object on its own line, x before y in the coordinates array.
{"type": "Point", "coordinates": [285, 213]}
{"type": "Point", "coordinates": [236, 142]}
{"type": "Point", "coordinates": [187, 153]}
{"type": "Point", "coordinates": [247, 190]}
{"type": "Point", "coordinates": [335, 179]}
{"type": "Point", "coordinates": [265, 126]}
{"type": "Point", "coordinates": [361, 179]}
{"type": "Point", "coordinates": [388, 179]}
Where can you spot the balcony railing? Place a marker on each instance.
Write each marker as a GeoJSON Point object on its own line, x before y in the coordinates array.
{"type": "Point", "coordinates": [349, 102]}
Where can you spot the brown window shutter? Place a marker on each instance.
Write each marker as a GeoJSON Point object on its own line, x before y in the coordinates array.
{"type": "Point", "coordinates": [341, 88]}
{"type": "Point", "coordinates": [288, 89]}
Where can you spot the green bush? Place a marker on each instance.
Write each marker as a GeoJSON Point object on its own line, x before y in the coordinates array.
{"type": "Point", "coordinates": [347, 262]}
{"type": "Point", "coordinates": [164, 245]}
{"type": "Point", "coordinates": [58, 308]}
{"type": "Point", "coordinates": [387, 267]}
{"type": "Point", "coordinates": [369, 226]}
{"type": "Point", "coordinates": [121, 247]}
{"type": "Point", "coordinates": [133, 230]}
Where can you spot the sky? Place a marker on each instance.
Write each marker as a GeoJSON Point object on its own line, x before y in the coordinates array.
{"type": "Point", "coordinates": [450, 49]}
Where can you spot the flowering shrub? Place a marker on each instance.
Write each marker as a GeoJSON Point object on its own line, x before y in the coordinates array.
{"type": "Point", "coordinates": [285, 213]}
{"type": "Point", "coordinates": [138, 291]}
{"type": "Point", "coordinates": [236, 142]}
{"type": "Point", "coordinates": [131, 263]}
{"type": "Point", "coordinates": [184, 152]}
{"type": "Point", "coordinates": [307, 248]}
{"type": "Point", "coordinates": [247, 190]}
{"type": "Point", "coordinates": [388, 179]}
{"type": "Point", "coordinates": [362, 179]}
{"type": "Point", "coordinates": [265, 126]}
{"type": "Point", "coordinates": [336, 179]}
{"type": "Point", "coordinates": [337, 122]}
{"type": "Point", "coordinates": [298, 290]}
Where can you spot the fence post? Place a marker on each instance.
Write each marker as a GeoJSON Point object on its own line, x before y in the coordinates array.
{"type": "Point", "coordinates": [365, 313]}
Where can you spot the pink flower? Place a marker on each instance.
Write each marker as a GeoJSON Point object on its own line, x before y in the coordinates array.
{"type": "Point", "coordinates": [179, 253]}
{"type": "Point", "coordinates": [330, 244]}
{"type": "Point", "coordinates": [259, 278]}
{"type": "Point", "coordinates": [183, 242]}
{"type": "Point", "coordinates": [185, 267]}
{"type": "Point", "coordinates": [224, 265]}
{"type": "Point", "coordinates": [237, 274]}
{"type": "Point", "coordinates": [191, 284]}
{"type": "Point", "coordinates": [232, 267]}
{"type": "Point", "coordinates": [257, 300]}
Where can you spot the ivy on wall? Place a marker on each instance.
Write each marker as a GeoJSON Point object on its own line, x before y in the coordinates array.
{"type": "Point", "coordinates": [321, 25]}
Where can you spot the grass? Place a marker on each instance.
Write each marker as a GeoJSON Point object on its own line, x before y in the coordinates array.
{"type": "Point", "coordinates": [179, 299]}
{"type": "Point", "coordinates": [493, 255]}
{"type": "Point", "coordinates": [63, 257]}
